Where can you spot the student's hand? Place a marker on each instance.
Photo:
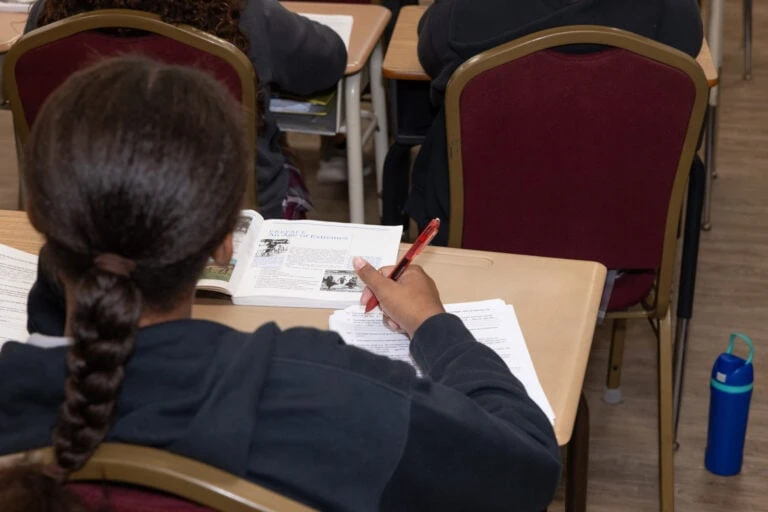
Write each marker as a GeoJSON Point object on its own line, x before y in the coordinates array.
{"type": "Point", "coordinates": [406, 303]}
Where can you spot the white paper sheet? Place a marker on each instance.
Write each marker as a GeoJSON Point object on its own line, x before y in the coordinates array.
{"type": "Point", "coordinates": [340, 23]}
{"type": "Point", "coordinates": [15, 5]}
{"type": "Point", "coordinates": [18, 270]}
{"type": "Point", "coordinates": [492, 322]}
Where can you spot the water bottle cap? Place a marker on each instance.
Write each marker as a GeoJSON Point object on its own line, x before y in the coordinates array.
{"type": "Point", "coordinates": [730, 370]}
{"type": "Point", "coordinates": [746, 340]}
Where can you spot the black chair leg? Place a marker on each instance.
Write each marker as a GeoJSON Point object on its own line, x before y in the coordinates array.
{"type": "Point", "coordinates": [577, 461]}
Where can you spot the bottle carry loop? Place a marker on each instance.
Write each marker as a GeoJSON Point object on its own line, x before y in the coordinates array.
{"type": "Point", "coordinates": [746, 340]}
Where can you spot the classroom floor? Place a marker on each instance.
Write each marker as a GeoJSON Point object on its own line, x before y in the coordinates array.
{"type": "Point", "coordinates": [732, 294]}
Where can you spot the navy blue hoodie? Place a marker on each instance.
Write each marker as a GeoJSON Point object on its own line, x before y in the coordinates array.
{"type": "Point", "coordinates": [300, 412]}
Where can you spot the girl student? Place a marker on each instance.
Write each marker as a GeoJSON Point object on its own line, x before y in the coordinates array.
{"type": "Point", "coordinates": [287, 50]}
{"type": "Point", "coordinates": [133, 191]}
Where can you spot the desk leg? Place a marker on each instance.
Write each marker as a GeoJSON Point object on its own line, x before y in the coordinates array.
{"type": "Point", "coordinates": [715, 40]}
{"type": "Point", "coordinates": [747, 39]}
{"type": "Point", "coordinates": [577, 461]}
{"type": "Point", "coordinates": [381, 135]}
{"type": "Point", "coordinates": [354, 148]}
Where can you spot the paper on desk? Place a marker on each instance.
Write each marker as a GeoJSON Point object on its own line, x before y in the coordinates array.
{"type": "Point", "coordinates": [18, 270]}
{"type": "Point", "coordinates": [340, 23]}
{"type": "Point", "coordinates": [15, 5]}
{"type": "Point", "coordinates": [492, 322]}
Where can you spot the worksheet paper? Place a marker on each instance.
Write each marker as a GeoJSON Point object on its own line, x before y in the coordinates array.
{"type": "Point", "coordinates": [339, 23]}
{"type": "Point", "coordinates": [492, 322]}
{"type": "Point", "coordinates": [15, 5]}
{"type": "Point", "coordinates": [18, 270]}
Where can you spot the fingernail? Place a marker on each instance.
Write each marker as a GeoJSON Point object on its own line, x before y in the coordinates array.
{"type": "Point", "coordinates": [358, 262]}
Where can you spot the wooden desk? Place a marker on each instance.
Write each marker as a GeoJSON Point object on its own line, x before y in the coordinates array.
{"type": "Point", "coordinates": [556, 302]}
{"type": "Point", "coordinates": [11, 28]}
{"type": "Point", "coordinates": [402, 61]}
{"type": "Point", "coordinates": [364, 48]}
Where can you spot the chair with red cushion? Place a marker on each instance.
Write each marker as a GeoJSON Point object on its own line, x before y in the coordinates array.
{"type": "Point", "coordinates": [582, 155]}
{"type": "Point", "coordinates": [44, 58]}
{"type": "Point", "coordinates": [127, 478]}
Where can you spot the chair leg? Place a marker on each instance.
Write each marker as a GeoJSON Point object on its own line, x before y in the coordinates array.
{"type": "Point", "coordinates": [711, 128]}
{"type": "Point", "coordinates": [577, 461]}
{"type": "Point", "coordinates": [747, 39]}
{"type": "Point", "coordinates": [666, 421]}
{"type": "Point", "coordinates": [612, 393]}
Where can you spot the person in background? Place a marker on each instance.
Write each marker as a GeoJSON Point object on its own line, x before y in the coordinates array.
{"type": "Point", "coordinates": [133, 191]}
{"type": "Point", "coordinates": [287, 50]}
{"type": "Point", "coordinates": [453, 31]}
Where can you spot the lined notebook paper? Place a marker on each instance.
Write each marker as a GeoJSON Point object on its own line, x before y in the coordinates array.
{"type": "Point", "coordinates": [492, 322]}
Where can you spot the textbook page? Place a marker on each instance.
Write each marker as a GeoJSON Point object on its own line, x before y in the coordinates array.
{"type": "Point", "coordinates": [15, 5]}
{"type": "Point", "coordinates": [339, 23]}
{"type": "Point", "coordinates": [492, 322]}
{"type": "Point", "coordinates": [309, 263]}
{"type": "Point", "coordinates": [18, 271]}
{"type": "Point", "coordinates": [224, 278]}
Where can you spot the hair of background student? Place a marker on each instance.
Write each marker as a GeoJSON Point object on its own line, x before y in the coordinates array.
{"type": "Point", "coordinates": [135, 173]}
{"type": "Point", "coordinates": [218, 17]}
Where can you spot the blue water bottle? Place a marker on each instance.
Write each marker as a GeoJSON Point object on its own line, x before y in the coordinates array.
{"type": "Point", "coordinates": [730, 393]}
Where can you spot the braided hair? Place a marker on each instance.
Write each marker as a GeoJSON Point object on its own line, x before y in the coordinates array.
{"type": "Point", "coordinates": [135, 172]}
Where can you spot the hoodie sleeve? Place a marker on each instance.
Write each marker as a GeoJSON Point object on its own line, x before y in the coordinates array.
{"type": "Point", "coordinates": [476, 441]}
{"type": "Point", "coordinates": [306, 56]}
{"type": "Point", "coordinates": [34, 15]}
{"type": "Point", "coordinates": [436, 55]}
{"type": "Point", "coordinates": [681, 26]}
{"type": "Point", "coordinates": [46, 308]}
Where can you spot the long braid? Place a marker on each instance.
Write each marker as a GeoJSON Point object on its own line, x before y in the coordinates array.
{"type": "Point", "coordinates": [133, 191]}
{"type": "Point", "coordinates": [106, 314]}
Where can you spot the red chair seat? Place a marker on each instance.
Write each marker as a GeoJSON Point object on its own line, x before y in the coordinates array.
{"type": "Point", "coordinates": [97, 497]}
{"type": "Point", "coordinates": [630, 289]}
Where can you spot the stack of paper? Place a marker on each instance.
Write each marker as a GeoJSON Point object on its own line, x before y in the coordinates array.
{"type": "Point", "coordinates": [18, 270]}
{"type": "Point", "coordinates": [492, 322]}
{"type": "Point", "coordinates": [15, 5]}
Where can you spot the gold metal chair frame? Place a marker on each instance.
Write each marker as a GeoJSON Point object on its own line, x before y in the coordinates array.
{"type": "Point", "coordinates": [179, 476]}
{"type": "Point", "coordinates": [136, 20]}
{"type": "Point", "coordinates": [657, 310]}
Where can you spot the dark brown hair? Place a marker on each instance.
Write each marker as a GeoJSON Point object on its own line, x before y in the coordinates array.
{"type": "Point", "coordinates": [135, 172]}
{"type": "Point", "coordinates": [218, 17]}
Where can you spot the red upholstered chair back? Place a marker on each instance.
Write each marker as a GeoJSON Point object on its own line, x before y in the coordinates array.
{"type": "Point", "coordinates": [98, 497]}
{"type": "Point", "coordinates": [41, 70]}
{"type": "Point", "coordinates": [43, 59]}
{"type": "Point", "coordinates": [573, 155]}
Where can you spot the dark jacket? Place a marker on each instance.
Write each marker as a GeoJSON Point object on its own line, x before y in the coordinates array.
{"type": "Point", "coordinates": [300, 412]}
{"type": "Point", "coordinates": [452, 31]}
{"type": "Point", "coordinates": [287, 50]}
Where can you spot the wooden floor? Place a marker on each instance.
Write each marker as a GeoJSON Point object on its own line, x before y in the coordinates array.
{"type": "Point", "coordinates": [732, 295]}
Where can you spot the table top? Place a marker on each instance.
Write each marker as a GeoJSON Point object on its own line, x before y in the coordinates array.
{"type": "Point", "coordinates": [367, 28]}
{"type": "Point", "coordinates": [11, 28]}
{"type": "Point", "coordinates": [402, 61]}
{"type": "Point", "coordinates": [556, 302]}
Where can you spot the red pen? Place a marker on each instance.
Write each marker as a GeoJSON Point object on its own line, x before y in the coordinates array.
{"type": "Point", "coordinates": [425, 237]}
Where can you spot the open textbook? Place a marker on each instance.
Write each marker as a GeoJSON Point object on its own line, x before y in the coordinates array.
{"type": "Point", "coordinates": [299, 263]}
{"type": "Point", "coordinates": [18, 270]}
{"type": "Point", "coordinates": [492, 322]}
